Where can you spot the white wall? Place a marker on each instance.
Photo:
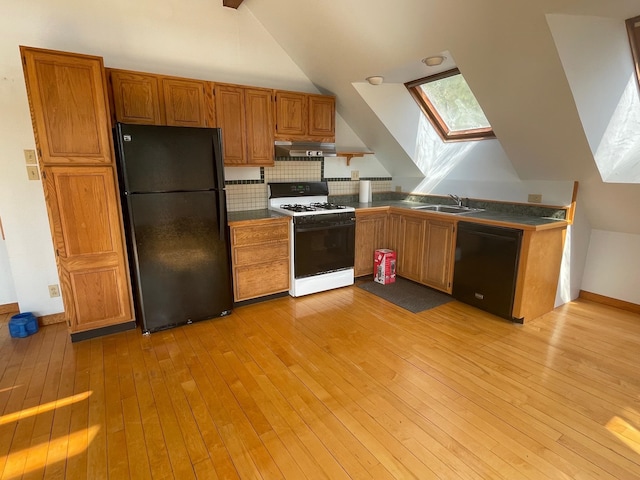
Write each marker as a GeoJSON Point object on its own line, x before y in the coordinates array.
{"type": "Point", "coordinates": [201, 39]}
{"type": "Point", "coordinates": [596, 57]}
{"type": "Point", "coordinates": [7, 290]}
{"type": "Point", "coordinates": [469, 169]}
{"type": "Point", "coordinates": [613, 265]}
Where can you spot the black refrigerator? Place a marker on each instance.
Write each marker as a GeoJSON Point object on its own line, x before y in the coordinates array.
{"type": "Point", "coordinates": [173, 199]}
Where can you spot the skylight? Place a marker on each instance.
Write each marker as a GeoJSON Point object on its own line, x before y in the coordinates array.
{"type": "Point", "coordinates": [451, 107]}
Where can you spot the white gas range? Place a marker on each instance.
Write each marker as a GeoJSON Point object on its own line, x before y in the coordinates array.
{"type": "Point", "coordinates": [322, 236]}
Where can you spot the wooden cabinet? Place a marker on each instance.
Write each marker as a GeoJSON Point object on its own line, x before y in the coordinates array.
{"type": "Point", "coordinates": [184, 102]}
{"type": "Point", "coordinates": [136, 97]}
{"type": "Point", "coordinates": [68, 107]}
{"type": "Point", "coordinates": [409, 263]}
{"type": "Point", "coordinates": [291, 115]}
{"type": "Point", "coordinates": [424, 248]}
{"type": "Point", "coordinates": [67, 96]}
{"type": "Point", "coordinates": [437, 254]}
{"type": "Point", "coordinates": [305, 117]}
{"type": "Point", "coordinates": [260, 258]}
{"type": "Point", "coordinates": [84, 212]}
{"type": "Point", "coordinates": [246, 117]}
{"type": "Point", "coordinates": [371, 227]}
{"type": "Point", "coordinates": [538, 272]}
{"type": "Point", "coordinates": [322, 117]}
{"type": "Point", "coordinates": [150, 99]}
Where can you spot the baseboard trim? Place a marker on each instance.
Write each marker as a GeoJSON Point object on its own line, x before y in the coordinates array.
{"type": "Point", "coordinates": [9, 308]}
{"type": "Point", "coordinates": [612, 302]}
{"type": "Point", "coordinates": [53, 318]}
{"type": "Point", "coordinates": [99, 332]}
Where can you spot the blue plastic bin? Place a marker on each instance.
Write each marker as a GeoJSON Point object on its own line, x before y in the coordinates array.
{"type": "Point", "coordinates": [22, 325]}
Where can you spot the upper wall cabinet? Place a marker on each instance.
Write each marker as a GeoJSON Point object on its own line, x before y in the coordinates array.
{"type": "Point", "coordinates": [68, 107]}
{"type": "Point", "coordinates": [322, 116]}
{"type": "Point", "coordinates": [304, 116]}
{"type": "Point", "coordinates": [136, 97]}
{"type": "Point", "coordinates": [149, 99]}
{"type": "Point", "coordinates": [245, 115]}
{"type": "Point", "coordinates": [184, 102]}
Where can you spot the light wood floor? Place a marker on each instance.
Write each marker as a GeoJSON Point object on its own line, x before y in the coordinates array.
{"type": "Point", "coordinates": [335, 385]}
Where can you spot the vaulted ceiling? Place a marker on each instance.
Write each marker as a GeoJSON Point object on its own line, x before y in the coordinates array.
{"type": "Point", "coordinates": [504, 48]}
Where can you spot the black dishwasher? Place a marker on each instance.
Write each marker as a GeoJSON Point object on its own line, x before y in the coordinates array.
{"type": "Point", "coordinates": [486, 267]}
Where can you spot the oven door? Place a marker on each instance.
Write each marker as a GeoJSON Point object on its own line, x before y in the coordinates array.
{"type": "Point", "coordinates": [323, 247]}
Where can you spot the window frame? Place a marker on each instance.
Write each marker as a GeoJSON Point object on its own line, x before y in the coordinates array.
{"type": "Point", "coordinates": [633, 30]}
{"type": "Point", "coordinates": [434, 117]}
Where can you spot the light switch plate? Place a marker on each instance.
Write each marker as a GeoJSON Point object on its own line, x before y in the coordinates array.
{"type": "Point", "coordinates": [30, 157]}
{"type": "Point", "coordinates": [355, 175]}
{"type": "Point", "coordinates": [32, 172]}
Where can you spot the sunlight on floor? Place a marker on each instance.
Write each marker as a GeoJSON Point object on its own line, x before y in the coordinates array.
{"type": "Point", "coordinates": [45, 407]}
{"type": "Point", "coordinates": [58, 450]}
{"type": "Point", "coordinates": [625, 432]}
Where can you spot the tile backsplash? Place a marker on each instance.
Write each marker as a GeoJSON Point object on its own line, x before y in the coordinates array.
{"type": "Point", "coordinates": [252, 194]}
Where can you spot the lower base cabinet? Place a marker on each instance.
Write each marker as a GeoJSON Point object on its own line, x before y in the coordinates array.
{"type": "Point", "coordinates": [260, 258]}
{"type": "Point", "coordinates": [371, 227]}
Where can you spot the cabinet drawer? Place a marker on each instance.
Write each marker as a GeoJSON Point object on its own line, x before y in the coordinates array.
{"type": "Point", "coordinates": [253, 254]}
{"type": "Point", "coordinates": [259, 234]}
{"type": "Point", "coordinates": [259, 280]}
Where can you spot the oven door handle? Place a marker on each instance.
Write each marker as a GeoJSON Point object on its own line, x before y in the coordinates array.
{"type": "Point", "coordinates": [315, 228]}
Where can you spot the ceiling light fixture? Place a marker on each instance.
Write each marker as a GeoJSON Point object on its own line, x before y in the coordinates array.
{"type": "Point", "coordinates": [434, 61]}
{"type": "Point", "coordinates": [375, 80]}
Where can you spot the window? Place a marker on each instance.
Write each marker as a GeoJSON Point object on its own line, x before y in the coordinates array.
{"type": "Point", "coordinates": [633, 29]}
{"type": "Point", "coordinates": [451, 107]}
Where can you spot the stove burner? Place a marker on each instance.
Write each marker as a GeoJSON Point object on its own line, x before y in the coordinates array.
{"type": "Point", "coordinates": [295, 207]}
{"type": "Point", "coordinates": [328, 206]}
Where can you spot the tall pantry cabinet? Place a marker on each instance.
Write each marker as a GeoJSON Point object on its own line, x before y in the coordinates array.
{"type": "Point", "coordinates": [68, 102]}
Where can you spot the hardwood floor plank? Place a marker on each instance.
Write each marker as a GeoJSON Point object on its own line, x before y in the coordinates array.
{"type": "Point", "coordinates": [156, 449]}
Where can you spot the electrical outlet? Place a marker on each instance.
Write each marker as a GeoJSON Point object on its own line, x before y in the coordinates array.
{"type": "Point", "coordinates": [398, 188]}
{"type": "Point", "coordinates": [535, 198]}
{"type": "Point", "coordinates": [355, 175]}
{"type": "Point", "coordinates": [54, 291]}
{"type": "Point", "coordinates": [32, 172]}
{"type": "Point", "coordinates": [30, 157]}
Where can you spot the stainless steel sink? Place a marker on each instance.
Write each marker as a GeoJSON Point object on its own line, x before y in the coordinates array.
{"type": "Point", "coordinates": [458, 210]}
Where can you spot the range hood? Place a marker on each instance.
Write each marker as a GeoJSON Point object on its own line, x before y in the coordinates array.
{"type": "Point", "coordinates": [304, 149]}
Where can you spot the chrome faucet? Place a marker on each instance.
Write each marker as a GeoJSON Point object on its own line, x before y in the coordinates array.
{"type": "Point", "coordinates": [457, 199]}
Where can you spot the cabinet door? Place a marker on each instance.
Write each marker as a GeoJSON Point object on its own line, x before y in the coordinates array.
{"type": "Point", "coordinates": [412, 247]}
{"type": "Point", "coordinates": [291, 114]}
{"type": "Point", "coordinates": [259, 126]}
{"type": "Point", "coordinates": [184, 102]}
{"type": "Point", "coordinates": [68, 102]}
{"type": "Point", "coordinates": [230, 116]}
{"type": "Point", "coordinates": [437, 256]}
{"type": "Point", "coordinates": [395, 237]}
{"type": "Point", "coordinates": [370, 235]}
{"type": "Point", "coordinates": [322, 114]}
{"type": "Point", "coordinates": [84, 214]}
{"type": "Point", "coordinates": [136, 97]}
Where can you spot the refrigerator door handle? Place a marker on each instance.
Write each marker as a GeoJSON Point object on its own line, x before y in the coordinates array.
{"type": "Point", "coordinates": [222, 214]}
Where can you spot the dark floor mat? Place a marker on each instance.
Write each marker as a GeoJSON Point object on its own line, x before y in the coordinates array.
{"type": "Point", "coordinates": [407, 294]}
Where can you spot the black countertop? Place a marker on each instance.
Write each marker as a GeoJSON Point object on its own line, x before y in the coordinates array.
{"type": "Point", "coordinates": [503, 217]}
{"type": "Point", "coordinates": [513, 219]}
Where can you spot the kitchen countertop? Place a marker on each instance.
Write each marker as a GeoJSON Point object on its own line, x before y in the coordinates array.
{"type": "Point", "coordinates": [524, 222]}
{"type": "Point", "coordinates": [246, 215]}
{"type": "Point", "coordinates": [513, 220]}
